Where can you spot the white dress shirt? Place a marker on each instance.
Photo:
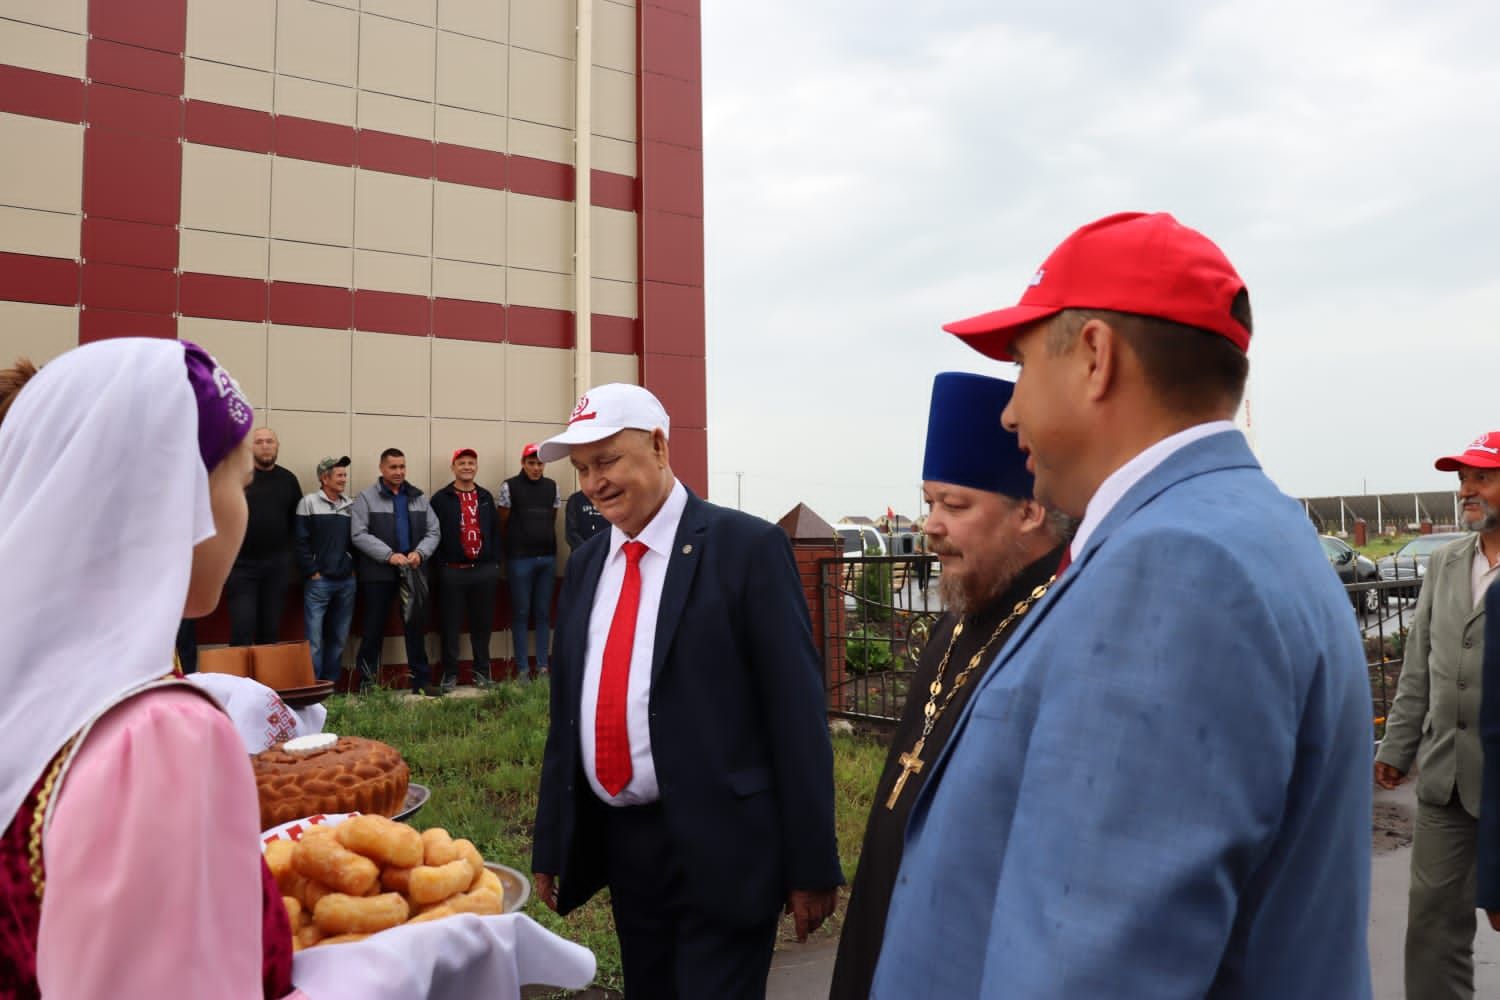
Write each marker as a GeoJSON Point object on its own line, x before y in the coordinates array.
{"type": "Point", "coordinates": [1122, 479]}
{"type": "Point", "coordinates": [1481, 573]}
{"type": "Point", "coordinates": [658, 536]}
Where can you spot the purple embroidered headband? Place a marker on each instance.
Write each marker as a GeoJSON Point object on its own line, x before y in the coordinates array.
{"type": "Point", "coordinates": [224, 416]}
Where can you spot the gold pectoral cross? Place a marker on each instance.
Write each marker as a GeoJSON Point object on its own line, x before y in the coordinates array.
{"type": "Point", "coordinates": [911, 763]}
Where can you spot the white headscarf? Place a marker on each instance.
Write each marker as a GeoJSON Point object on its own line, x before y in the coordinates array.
{"type": "Point", "coordinates": [102, 497]}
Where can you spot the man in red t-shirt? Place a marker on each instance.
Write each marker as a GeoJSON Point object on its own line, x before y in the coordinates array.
{"type": "Point", "coordinates": [468, 566]}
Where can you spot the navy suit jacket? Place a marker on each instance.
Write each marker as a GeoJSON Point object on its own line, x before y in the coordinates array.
{"type": "Point", "coordinates": [1161, 788]}
{"type": "Point", "coordinates": [739, 731]}
{"type": "Point", "coordinates": [1489, 731]}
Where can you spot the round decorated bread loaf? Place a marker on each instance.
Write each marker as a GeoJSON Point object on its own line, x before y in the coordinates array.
{"type": "Point", "coordinates": [348, 775]}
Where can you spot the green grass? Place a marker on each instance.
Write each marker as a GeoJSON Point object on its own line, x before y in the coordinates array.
{"type": "Point", "coordinates": [482, 758]}
{"type": "Point", "coordinates": [1381, 545]}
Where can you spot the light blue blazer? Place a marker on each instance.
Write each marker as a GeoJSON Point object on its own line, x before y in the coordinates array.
{"type": "Point", "coordinates": [1162, 787]}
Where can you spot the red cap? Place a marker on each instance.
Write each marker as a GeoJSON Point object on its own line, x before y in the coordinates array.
{"type": "Point", "coordinates": [528, 452]}
{"type": "Point", "coordinates": [1151, 265]}
{"type": "Point", "coordinates": [1483, 453]}
{"type": "Point", "coordinates": [460, 453]}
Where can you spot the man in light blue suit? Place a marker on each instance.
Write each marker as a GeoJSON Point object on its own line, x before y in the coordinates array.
{"type": "Point", "coordinates": [1162, 787]}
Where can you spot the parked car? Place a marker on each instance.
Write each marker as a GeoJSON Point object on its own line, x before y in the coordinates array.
{"type": "Point", "coordinates": [860, 540]}
{"type": "Point", "coordinates": [1410, 561]}
{"type": "Point", "coordinates": [1353, 568]}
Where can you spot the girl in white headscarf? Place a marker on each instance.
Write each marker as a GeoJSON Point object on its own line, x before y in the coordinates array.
{"type": "Point", "coordinates": [130, 861]}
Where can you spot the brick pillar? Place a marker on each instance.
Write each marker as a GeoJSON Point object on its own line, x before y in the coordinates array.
{"type": "Point", "coordinates": [826, 630]}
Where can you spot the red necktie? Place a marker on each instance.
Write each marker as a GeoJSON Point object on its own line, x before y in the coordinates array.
{"type": "Point", "coordinates": [611, 737]}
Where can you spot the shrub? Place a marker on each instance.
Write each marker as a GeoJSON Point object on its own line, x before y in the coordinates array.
{"type": "Point", "coordinates": [874, 591]}
{"type": "Point", "coordinates": [867, 652]}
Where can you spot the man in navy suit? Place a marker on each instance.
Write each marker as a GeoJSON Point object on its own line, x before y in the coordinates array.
{"type": "Point", "coordinates": [1161, 787]}
{"type": "Point", "coordinates": [688, 766]}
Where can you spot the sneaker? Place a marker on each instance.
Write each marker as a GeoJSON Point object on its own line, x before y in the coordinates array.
{"type": "Point", "coordinates": [483, 681]}
{"type": "Point", "coordinates": [449, 684]}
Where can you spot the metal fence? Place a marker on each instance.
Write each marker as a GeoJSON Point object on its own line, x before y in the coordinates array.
{"type": "Point", "coordinates": [877, 613]}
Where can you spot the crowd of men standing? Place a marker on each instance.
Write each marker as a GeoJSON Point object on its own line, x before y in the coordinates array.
{"type": "Point", "coordinates": [374, 543]}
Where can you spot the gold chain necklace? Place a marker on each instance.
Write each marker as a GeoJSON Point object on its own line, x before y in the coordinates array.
{"type": "Point", "coordinates": [912, 762]}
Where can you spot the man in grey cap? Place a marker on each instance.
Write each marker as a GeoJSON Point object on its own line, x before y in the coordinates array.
{"type": "Point", "coordinates": [327, 566]}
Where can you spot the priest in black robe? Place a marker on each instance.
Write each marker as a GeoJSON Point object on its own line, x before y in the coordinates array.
{"type": "Point", "coordinates": [999, 549]}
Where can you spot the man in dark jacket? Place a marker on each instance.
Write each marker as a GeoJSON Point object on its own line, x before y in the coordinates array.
{"type": "Point", "coordinates": [468, 565]}
{"type": "Point", "coordinates": [582, 520]}
{"type": "Point", "coordinates": [327, 566]}
{"type": "Point", "coordinates": [392, 529]}
{"type": "Point", "coordinates": [256, 589]}
{"type": "Point", "coordinates": [528, 520]}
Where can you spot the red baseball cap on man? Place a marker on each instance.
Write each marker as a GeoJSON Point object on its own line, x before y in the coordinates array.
{"type": "Point", "coordinates": [460, 453]}
{"type": "Point", "coordinates": [529, 451]}
{"type": "Point", "coordinates": [1483, 453]}
{"type": "Point", "coordinates": [1133, 262]}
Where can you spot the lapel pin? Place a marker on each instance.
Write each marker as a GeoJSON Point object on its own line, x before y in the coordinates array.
{"type": "Point", "coordinates": [687, 550]}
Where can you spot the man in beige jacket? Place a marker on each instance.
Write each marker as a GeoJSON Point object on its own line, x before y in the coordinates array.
{"type": "Point", "coordinates": [1435, 720]}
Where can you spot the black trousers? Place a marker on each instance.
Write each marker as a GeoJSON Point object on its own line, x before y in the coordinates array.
{"type": "Point", "coordinates": [255, 594]}
{"type": "Point", "coordinates": [670, 951]}
{"type": "Point", "coordinates": [378, 596]}
{"type": "Point", "coordinates": [467, 590]}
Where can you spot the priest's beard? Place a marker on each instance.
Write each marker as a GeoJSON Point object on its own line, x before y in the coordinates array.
{"type": "Point", "coordinates": [984, 577]}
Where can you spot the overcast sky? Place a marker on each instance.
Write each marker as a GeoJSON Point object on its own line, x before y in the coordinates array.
{"type": "Point", "coordinates": [875, 169]}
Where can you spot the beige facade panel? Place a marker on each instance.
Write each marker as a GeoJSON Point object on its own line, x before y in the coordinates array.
{"type": "Point", "coordinates": [312, 202]}
{"type": "Point", "coordinates": [305, 438]}
{"type": "Point", "coordinates": [615, 156]}
{"type": "Point", "coordinates": [308, 369]}
{"type": "Point", "coordinates": [374, 433]}
{"type": "Point", "coordinates": [393, 212]}
{"type": "Point", "coordinates": [240, 347]}
{"type": "Point", "coordinates": [542, 289]}
{"type": "Point", "coordinates": [487, 437]}
{"type": "Point", "coordinates": [471, 72]}
{"type": "Point", "coordinates": [607, 368]}
{"type": "Point", "coordinates": [538, 386]}
{"type": "Point", "coordinates": [397, 115]}
{"type": "Point", "coordinates": [65, 15]}
{"type": "Point", "coordinates": [416, 11]}
{"type": "Point", "coordinates": [481, 18]}
{"type": "Point", "coordinates": [312, 263]}
{"type": "Point", "coordinates": [318, 41]}
{"type": "Point", "coordinates": [543, 26]}
{"type": "Point", "coordinates": [470, 128]}
{"type": "Point", "coordinates": [392, 374]}
{"type": "Point", "coordinates": [614, 247]}
{"type": "Point", "coordinates": [615, 298]}
{"type": "Point", "coordinates": [232, 85]}
{"type": "Point", "coordinates": [46, 50]}
{"type": "Point", "coordinates": [469, 223]}
{"type": "Point", "coordinates": [393, 272]}
{"type": "Point", "coordinates": [396, 57]}
{"type": "Point", "coordinates": [223, 253]}
{"type": "Point", "coordinates": [614, 35]}
{"type": "Point", "coordinates": [319, 102]}
{"type": "Point", "coordinates": [540, 142]}
{"type": "Point", "coordinates": [45, 234]}
{"type": "Point", "coordinates": [541, 87]}
{"type": "Point", "coordinates": [468, 381]}
{"type": "Point", "coordinates": [209, 171]}
{"type": "Point", "coordinates": [614, 103]}
{"type": "Point", "coordinates": [539, 233]}
{"type": "Point", "coordinates": [458, 279]}
{"type": "Point", "coordinates": [41, 164]}
{"type": "Point", "coordinates": [37, 332]}
{"type": "Point", "coordinates": [239, 32]}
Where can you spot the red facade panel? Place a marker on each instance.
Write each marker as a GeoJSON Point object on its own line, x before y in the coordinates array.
{"type": "Point", "coordinates": [218, 296]}
{"type": "Point", "coordinates": [151, 24]}
{"type": "Point", "coordinates": [131, 289]}
{"type": "Point", "coordinates": [116, 242]}
{"type": "Point", "coordinates": [538, 327]}
{"type": "Point", "coordinates": [673, 249]}
{"type": "Point", "coordinates": [305, 139]}
{"type": "Point", "coordinates": [690, 456]}
{"type": "Point", "coordinates": [673, 111]}
{"type": "Point", "coordinates": [673, 42]}
{"type": "Point", "coordinates": [542, 178]}
{"type": "Point", "coordinates": [615, 334]}
{"type": "Point", "coordinates": [679, 382]}
{"type": "Point", "coordinates": [675, 177]}
{"type": "Point", "coordinates": [394, 154]}
{"type": "Point", "coordinates": [130, 66]}
{"type": "Point", "coordinates": [312, 305]}
{"type": "Point", "coordinates": [462, 319]}
{"type": "Point", "coordinates": [467, 165]}
{"type": "Point", "coordinates": [615, 191]}
{"type": "Point", "coordinates": [392, 312]}
{"type": "Point", "coordinates": [676, 313]}
{"type": "Point", "coordinates": [101, 324]}
{"type": "Point", "coordinates": [47, 280]}
{"type": "Point", "coordinates": [128, 110]}
{"type": "Point", "coordinates": [136, 178]}
{"type": "Point", "coordinates": [41, 95]}
{"type": "Point", "coordinates": [233, 128]}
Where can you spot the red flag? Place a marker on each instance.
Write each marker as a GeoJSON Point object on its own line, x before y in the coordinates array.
{"type": "Point", "coordinates": [890, 515]}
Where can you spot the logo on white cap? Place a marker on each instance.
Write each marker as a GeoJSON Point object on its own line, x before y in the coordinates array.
{"type": "Point", "coordinates": [578, 414]}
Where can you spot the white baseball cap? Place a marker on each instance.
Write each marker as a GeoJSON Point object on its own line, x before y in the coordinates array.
{"type": "Point", "coordinates": [604, 411]}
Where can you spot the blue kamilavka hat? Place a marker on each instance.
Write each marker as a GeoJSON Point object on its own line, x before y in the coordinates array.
{"type": "Point", "coordinates": [966, 445]}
